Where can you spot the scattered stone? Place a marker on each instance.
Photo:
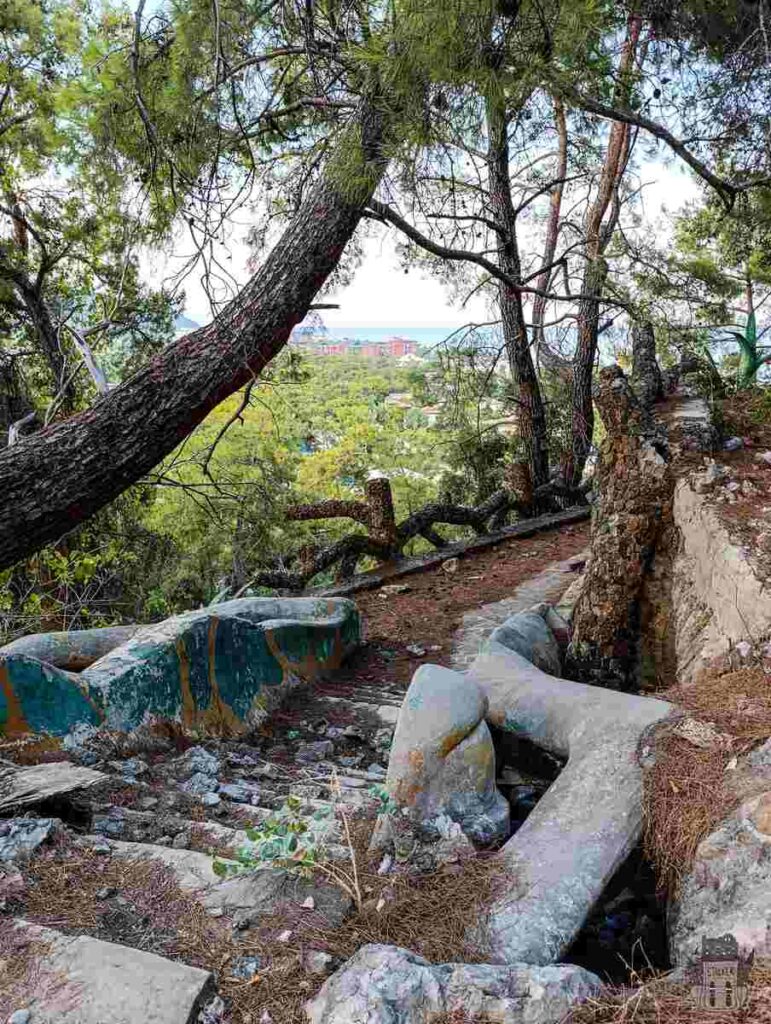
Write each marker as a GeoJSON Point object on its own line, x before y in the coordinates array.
{"type": "Point", "coordinates": [198, 760]}
{"type": "Point", "coordinates": [106, 893]}
{"type": "Point", "coordinates": [450, 566]}
{"type": "Point", "coordinates": [310, 752]}
{"type": "Point", "coordinates": [744, 649]}
{"type": "Point", "coordinates": [316, 961]}
{"type": "Point", "coordinates": [764, 457]}
{"type": "Point", "coordinates": [102, 848]}
{"type": "Point", "coordinates": [700, 734]}
{"type": "Point", "coordinates": [198, 784]}
{"type": "Point", "coordinates": [376, 771]}
{"type": "Point", "coordinates": [210, 799]}
{"type": "Point", "coordinates": [394, 588]}
{"type": "Point", "coordinates": [213, 1012]}
{"type": "Point", "coordinates": [385, 865]}
{"type": "Point", "coordinates": [245, 967]}
{"type": "Point", "coordinates": [308, 903]}
{"type": "Point", "coordinates": [181, 841]}
{"type": "Point", "coordinates": [285, 936]}
{"type": "Point", "coordinates": [712, 475]}
{"type": "Point", "coordinates": [733, 444]}
{"type": "Point", "coordinates": [20, 1017]}
{"type": "Point", "coordinates": [80, 980]}
{"type": "Point", "coordinates": [389, 985]}
{"type": "Point", "coordinates": [148, 802]}
{"type": "Point", "coordinates": [415, 650]}
{"type": "Point", "coordinates": [239, 792]}
{"type": "Point", "coordinates": [732, 486]}
{"type": "Point", "coordinates": [20, 836]}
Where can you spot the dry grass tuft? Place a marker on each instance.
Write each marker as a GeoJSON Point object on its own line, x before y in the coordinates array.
{"type": "Point", "coordinates": [661, 1001]}
{"type": "Point", "coordinates": [138, 903]}
{"type": "Point", "coordinates": [688, 791]}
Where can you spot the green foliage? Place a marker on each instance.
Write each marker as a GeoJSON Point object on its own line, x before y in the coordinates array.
{"type": "Point", "coordinates": [286, 839]}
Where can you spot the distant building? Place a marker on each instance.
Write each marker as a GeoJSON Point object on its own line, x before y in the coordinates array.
{"type": "Point", "coordinates": [389, 348]}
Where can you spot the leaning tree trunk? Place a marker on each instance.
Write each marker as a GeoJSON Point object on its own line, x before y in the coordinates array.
{"type": "Point", "coordinates": [531, 415]}
{"type": "Point", "coordinates": [52, 481]}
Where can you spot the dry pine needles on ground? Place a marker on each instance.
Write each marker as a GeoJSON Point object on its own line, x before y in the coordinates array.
{"type": "Point", "coordinates": [689, 790]}
{"type": "Point", "coordinates": [139, 903]}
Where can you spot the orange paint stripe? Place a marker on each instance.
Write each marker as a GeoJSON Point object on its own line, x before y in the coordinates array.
{"type": "Point", "coordinates": [15, 722]}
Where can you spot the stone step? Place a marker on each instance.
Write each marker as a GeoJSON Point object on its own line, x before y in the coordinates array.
{"type": "Point", "coordinates": [79, 980]}
{"type": "Point", "coordinates": [246, 895]}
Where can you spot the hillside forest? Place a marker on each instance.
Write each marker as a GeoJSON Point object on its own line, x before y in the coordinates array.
{"type": "Point", "coordinates": [507, 146]}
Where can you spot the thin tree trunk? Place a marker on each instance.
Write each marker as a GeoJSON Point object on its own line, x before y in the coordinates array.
{"type": "Point", "coordinates": [596, 269]}
{"type": "Point", "coordinates": [544, 355]}
{"type": "Point", "coordinates": [531, 416]}
{"type": "Point", "coordinates": [54, 480]}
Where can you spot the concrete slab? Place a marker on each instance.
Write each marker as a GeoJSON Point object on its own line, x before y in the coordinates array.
{"type": "Point", "coordinates": [80, 980]}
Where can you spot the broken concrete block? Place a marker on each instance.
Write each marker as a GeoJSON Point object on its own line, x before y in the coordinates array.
{"type": "Point", "coordinates": [80, 980]}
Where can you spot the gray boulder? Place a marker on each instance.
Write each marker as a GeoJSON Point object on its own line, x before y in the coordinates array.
{"type": "Point", "coordinates": [389, 985]}
{"type": "Point", "coordinates": [442, 760]}
{"type": "Point", "coordinates": [728, 888]}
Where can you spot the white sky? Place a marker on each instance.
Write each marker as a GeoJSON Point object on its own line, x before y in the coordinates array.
{"type": "Point", "coordinates": [382, 295]}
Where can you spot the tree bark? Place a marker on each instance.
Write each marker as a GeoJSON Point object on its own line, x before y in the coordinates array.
{"type": "Point", "coordinates": [596, 269]}
{"type": "Point", "coordinates": [531, 416]}
{"type": "Point", "coordinates": [544, 355]}
{"type": "Point", "coordinates": [54, 480]}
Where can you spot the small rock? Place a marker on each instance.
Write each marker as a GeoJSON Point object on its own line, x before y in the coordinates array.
{"type": "Point", "coordinates": [147, 803]}
{"type": "Point", "coordinates": [450, 566]}
{"type": "Point", "coordinates": [266, 1018]}
{"type": "Point", "coordinates": [350, 762]}
{"type": "Point", "coordinates": [245, 967]}
{"type": "Point", "coordinates": [239, 792]}
{"type": "Point", "coordinates": [376, 771]}
{"type": "Point", "coordinates": [181, 841]}
{"type": "Point", "coordinates": [199, 783]}
{"type": "Point", "coordinates": [308, 903]}
{"type": "Point", "coordinates": [103, 849]}
{"type": "Point", "coordinates": [106, 893]}
{"type": "Point", "coordinates": [316, 961]}
{"type": "Point", "coordinates": [415, 650]}
{"type": "Point", "coordinates": [764, 457]}
{"type": "Point", "coordinates": [269, 771]}
{"type": "Point", "coordinates": [163, 841]}
{"type": "Point", "coordinates": [20, 1017]}
{"type": "Point", "coordinates": [20, 836]}
{"type": "Point", "coordinates": [213, 1012]}
{"type": "Point", "coordinates": [385, 864]}
{"type": "Point", "coordinates": [744, 649]}
{"type": "Point", "coordinates": [733, 444]}
{"type": "Point", "coordinates": [310, 752]}
{"type": "Point", "coordinates": [198, 761]}
{"type": "Point", "coordinates": [285, 936]}
{"type": "Point", "coordinates": [733, 486]}
{"type": "Point", "coordinates": [210, 799]}
{"type": "Point", "coordinates": [394, 588]}
{"type": "Point", "coordinates": [700, 734]}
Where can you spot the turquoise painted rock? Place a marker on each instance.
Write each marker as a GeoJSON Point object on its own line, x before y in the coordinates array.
{"type": "Point", "coordinates": [217, 669]}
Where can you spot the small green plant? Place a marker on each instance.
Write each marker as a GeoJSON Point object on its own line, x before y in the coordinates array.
{"type": "Point", "coordinates": [297, 842]}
